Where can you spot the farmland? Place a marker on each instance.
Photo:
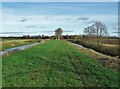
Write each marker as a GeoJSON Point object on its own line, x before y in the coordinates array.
{"type": "Point", "coordinates": [6, 43]}
{"type": "Point", "coordinates": [55, 63]}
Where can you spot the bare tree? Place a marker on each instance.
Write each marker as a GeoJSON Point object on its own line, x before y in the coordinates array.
{"type": "Point", "coordinates": [98, 29]}
{"type": "Point", "coordinates": [88, 31]}
{"type": "Point", "coordinates": [101, 29]}
{"type": "Point", "coordinates": [58, 33]}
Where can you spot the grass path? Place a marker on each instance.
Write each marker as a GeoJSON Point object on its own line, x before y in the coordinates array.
{"type": "Point", "coordinates": [55, 64]}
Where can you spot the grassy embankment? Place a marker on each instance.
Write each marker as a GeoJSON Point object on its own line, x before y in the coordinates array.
{"type": "Point", "coordinates": [55, 64]}
{"type": "Point", "coordinates": [6, 44]}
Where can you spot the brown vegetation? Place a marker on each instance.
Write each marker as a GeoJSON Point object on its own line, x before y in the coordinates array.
{"type": "Point", "coordinates": [105, 60]}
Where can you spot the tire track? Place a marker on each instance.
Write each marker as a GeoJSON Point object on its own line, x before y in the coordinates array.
{"type": "Point", "coordinates": [76, 66]}
{"type": "Point", "coordinates": [99, 79]}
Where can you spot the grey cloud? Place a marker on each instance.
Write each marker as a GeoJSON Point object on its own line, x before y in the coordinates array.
{"type": "Point", "coordinates": [82, 18]}
{"type": "Point", "coordinates": [30, 26]}
{"type": "Point", "coordinates": [23, 19]}
{"type": "Point", "coordinates": [90, 22]}
{"type": "Point", "coordinates": [68, 19]}
{"type": "Point", "coordinates": [11, 32]}
{"type": "Point", "coordinates": [46, 18]}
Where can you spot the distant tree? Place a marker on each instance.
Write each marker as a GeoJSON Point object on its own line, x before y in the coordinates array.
{"type": "Point", "coordinates": [58, 33]}
{"type": "Point", "coordinates": [42, 35]}
{"type": "Point", "coordinates": [67, 36]}
{"type": "Point", "coordinates": [100, 29]}
{"type": "Point", "coordinates": [26, 36]}
{"type": "Point", "coordinates": [76, 37]}
{"type": "Point", "coordinates": [89, 31]}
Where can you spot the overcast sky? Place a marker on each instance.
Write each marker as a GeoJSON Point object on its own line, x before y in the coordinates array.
{"type": "Point", "coordinates": [36, 17]}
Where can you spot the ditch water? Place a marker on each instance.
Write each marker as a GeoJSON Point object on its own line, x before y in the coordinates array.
{"type": "Point", "coordinates": [79, 45]}
{"type": "Point", "coordinates": [19, 48]}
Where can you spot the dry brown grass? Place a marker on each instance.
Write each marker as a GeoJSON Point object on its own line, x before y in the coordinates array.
{"type": "Point", "coordinates": [110, 45]}
{"type": "Point", "coordinates": [105, 60]}
{"type": "Point", "coordinates": [14, 43]}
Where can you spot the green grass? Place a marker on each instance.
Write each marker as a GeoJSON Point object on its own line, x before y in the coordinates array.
{"type": "Point", "coordinates": [6, 44]}
{"type": "Point", "coordinates": [55, 64]}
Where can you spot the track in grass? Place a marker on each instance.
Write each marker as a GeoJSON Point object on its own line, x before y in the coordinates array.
{"type": "Point", "coordinates": [55, 64]}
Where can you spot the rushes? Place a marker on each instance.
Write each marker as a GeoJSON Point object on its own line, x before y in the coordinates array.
{"type": "Point", "coordinates": [108, 49]}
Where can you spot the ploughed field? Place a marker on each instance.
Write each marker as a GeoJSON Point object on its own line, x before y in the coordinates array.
{"type": "Point", "coordinates": [55, 63]}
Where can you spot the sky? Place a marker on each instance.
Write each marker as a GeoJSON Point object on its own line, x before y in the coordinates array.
{"type": "Point", "coordinates": [60, 0]}
{"type": "Point", "coordinates": [37, 18]}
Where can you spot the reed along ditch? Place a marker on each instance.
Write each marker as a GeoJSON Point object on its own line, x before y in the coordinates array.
{"type": "Point", "coordinates": [56, 63]}
{"type": "Point", "coordinates": [108, 50]}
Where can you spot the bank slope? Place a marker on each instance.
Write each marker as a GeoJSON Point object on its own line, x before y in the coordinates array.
{"type": "Point", "coordinates": [55, 64]}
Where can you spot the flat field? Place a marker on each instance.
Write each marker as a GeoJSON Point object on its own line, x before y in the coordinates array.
{"type": "Point", "coordinates": [55, 63]}
{"type": "Point", "coordinates": [5, 44]}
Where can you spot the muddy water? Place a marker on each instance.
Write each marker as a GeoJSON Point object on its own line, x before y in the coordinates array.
{"type": "Point", "coordinates": [19, 48]}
